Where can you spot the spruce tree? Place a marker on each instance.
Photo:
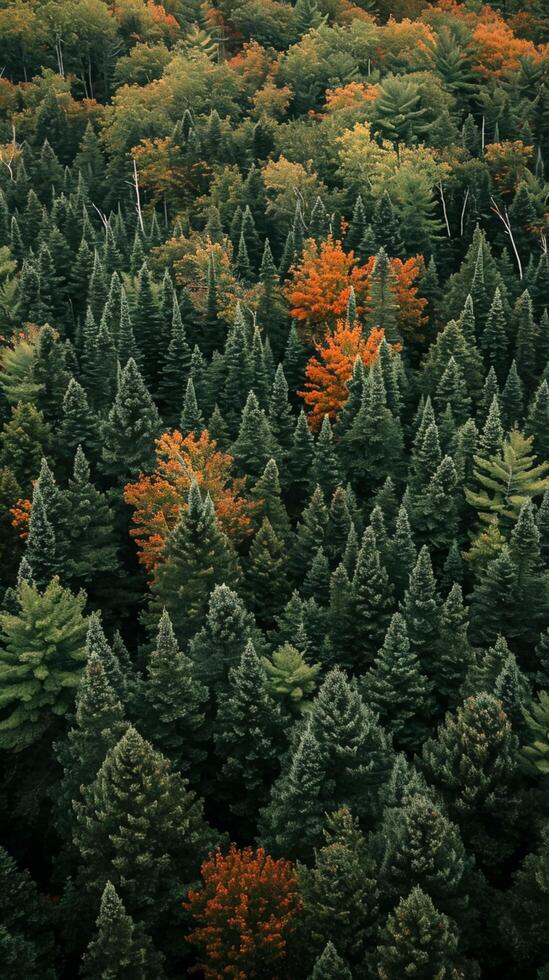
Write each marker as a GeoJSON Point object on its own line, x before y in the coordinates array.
{"type": "Point", "coordinates": [267, 583]}
{"type": "Point", "coordinates": [174, 703]}
{"type": "Point", "coordinates": [255, 444]}
{"type": "Point", "coordinates": [78, 424]}
{"type": "Point", "coordinates": [417, 940]}
{"type": "Point", "coordinates": [136, 788]}
{"type": "Point", "coordinates": [119, 947]}
{"type": "Point", "coordinates": [326, 471]}
{"type": "Point", "coordinates": [267, 493]}
{"type": "Point", "coordinates": [249, 737]}
{"type": "Point", "coordinates": [340, 893]}
{"type": "Point", "coordinates": [454, 653]}
{"type": "Point", "coordinates": [197, 557]}
{"type": "Point", "coordinates": [175, 369]}
{"type": "Point", "coordinates": [89, 530]}
{"type": "Point", "coordinates": [472, 763]}
{"type": "Point", "coordinates": [421, 611]}
{"type": "Point", "coordinates": [129, 431]}
{"type": "Point", "coordinates": [372, 603]}
{"type": "Point", "coordinates": [98, 725]}
{"type": "Point", "coordinates": [26, 940]}
{"type": "Point", "coordinates": [41, 661]}
{"type": "Point", "coordinates": [397, 690]}
{"type": "Point", "coordinates": [330, 966]}
{"type": "Point", "coordinates": [219, 644]}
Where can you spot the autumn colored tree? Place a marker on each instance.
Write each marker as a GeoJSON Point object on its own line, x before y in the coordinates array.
{"type": "Point", "coordinates": [321, 284]}
{"type": "Point", "coordinates": [159, 498]}
{"type": "Point", "coordinates": [329, 372]}
{"type": "Point", "coordinates": [245, 915]}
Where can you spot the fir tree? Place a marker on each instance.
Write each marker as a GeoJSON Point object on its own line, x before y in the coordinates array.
{"type": "Point", "coordinates": [40, 662]}
{"type": "Point", "coordinates": [174, 702]}
{"type": "Point", "coordinates": [119, 947]}
{"type": "Point", "coordinates": [248, 738]}
{"type": "Point", "coordinates": [219, 644]}
{"type": "Point", "coordinates": [135, 787]}
{"type": "Point", "coordinates": [417, 939]}
{"type": "Point", "coordinates": [397, 690]}
{"type": "Point", "coordinates": [267, 493]}
{"type": "Point", "coordinates": [266, 575]}
{"type": "Point", "coordinates": [255, 444]}
{"type": "Point", "coordinates": [330, 966]}
{"type": "Point", "coordinates": [130, 429]}
{"type": "Point", "coordinates": [372, 602]}
{"type": "Point", "coordinates": [197, 557]}
{"type": "Point", "coordinates": [421, 610]}
{"type": "Point", "coordinates": [472, 763]}
{"type": "Point", "coordinates": [26, 945]}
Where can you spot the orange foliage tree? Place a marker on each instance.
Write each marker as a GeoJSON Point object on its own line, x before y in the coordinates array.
{"type": "Point", "coordinates": [244, 913]}
{"type": "Point", "coordinates": [158, 498]}
{"type": "Point", "coordinates": [328, 373]}
{"type": "Point", "coordinates": [498, 50]}
{"type": "Point", "coordinates": [321, 284]}
{"type": "Point", "coordinates": [410, 313]}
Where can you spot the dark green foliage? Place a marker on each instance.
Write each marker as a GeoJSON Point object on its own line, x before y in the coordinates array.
{"type": "Point", "coordinates": [26, 943]}
{"type": "Point", "coordinates": [417, 937]}
{"type": "Point", "coordinates": [119, 948]}
{"type": "Point", "coordinates": [129, 431]}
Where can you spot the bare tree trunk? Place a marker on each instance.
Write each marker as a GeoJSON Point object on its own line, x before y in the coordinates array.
{"type": "Point", "coordinates": [504, 218]}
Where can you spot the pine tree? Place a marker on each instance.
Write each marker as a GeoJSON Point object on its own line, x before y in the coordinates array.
{"type": "Point", "coordinates": [136, 788]}
{"type": "Point", "coordinates": [255, 444]}
{"type": "Point", "coordinates": [290, 679]}
{"type": "Point", "coordinates": [454, 653]}
{"type": "Point", "coordinates": [197, 557]}
{"type": "Point", "coordinates": [372, 603]}
{"type": "Point", "coordinates": [119, 947]}
{"type": "Point", "coordinates": [130, 429]}
{"type": "Point", "coordinates": [421, 610]}
{"type": "Point", "coordinates": [386, 227]}
{"type": "Point", "coordinates": [420, 846]}
{"type": "Point", "coordinates": [525, 348]}
{"type": "Point", "coordinates": [396, 689]}
{"type": "Point", "coordinates": [89, 529]}
{"type": "Point", "coordinates": [340, 893]}
{"type": "Point", "coordinates": [382, 300]}
{"type": "Point", "coordinates": [266, 575]}
{"type": "Point", "coordinates": [174, 703]}
{"type": "Point", "coordinates": [248, 738]}
{"type": "Point", "coordinates": [147, 326]}
{"type": "Point", "coordinates": [267, 493]}
{"type": "Point", "coordinates": [418, 940]}
{"type": "Point", "coordinates": [280, 417]}
{"type": "Point", "coordinates": [472, 764]}
{"type": "Point", "coordinates": [191, 419]}
{"type": "Point", "coordinates": [175, 368]}
{"type": "Point", "coordinates": [78, 424]}
{"type": "Point", "coordinates": [218, 645]}
{"type": "Point", "coordinates": [494, 341]}
{"type": "Point", "coordinates": [512, 399]}
{"type": "Point", "coordinates": [491, 438]}
{"type": "Point", "coordinates": [537, 423]}
{"type": "Point", "coordinates": [330, 966]}
{"type": "Point", "coordinates": [341, 758]}
{"type": "Point", "coordinates": [40, 662]}
{"type": "Point", "coordinates": [310, 533]}
{"type": "Point", "coordinates": [301, 457]}
{"type": "Point", "coordinates": [98, 725]}
{"type": "Point", "coordinates": [403, 553]}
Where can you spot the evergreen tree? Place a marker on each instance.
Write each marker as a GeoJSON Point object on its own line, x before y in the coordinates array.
{"type": "Point", "coordinates": [418, 940]}
{"type": "Point", "coordinates": [192, 419]}
{"type": "Point", "coordinates": [537, 423]}
{"type": "Point", "coordinates": [248, 738]}
{"type": "Point", "coordinates": [397, 690]}
{"type": "Point", "coordinates": [175, 368]}
{"type": "Point", "coordinates": [472, 764]}
{"type": "Point", "coordinates": [266, 575]}
{"type": "Point", "coordinates": [512, 399]}
{"type": "Point", "coordinates": [372, 604]}
{"type": "Point", "coordinates": [267, 493]}
{"type": "Point", "coordinates": [89, 529]}
{"type": "Point", "coordinates": [330, 966]}
{"type": "Point", "coordinates": [129, 431]}
{"type": "Point", "coordinates": [301, 457]}
{"type": "Point", "coordinates": [494, 341]}
{"type": "Point", "coordinates": [78, 424]}
{"type": "Point", "coordinates": [26, 943]}
{"type": "Point", "coordinates": [255, 444]}
{"type": "Point", "coordinates": [174, 702]}
{"type": "Point", "coordinates": [98, 725]}
{"type": "Point", "coordinates": [421, 610]}
{"type": "Point", "coordinates": [340, 893]}
{"type": "Point", "coordinates": [135, 787]}
{"type": "Point", "coordinates": [40, 662]}
{"type": "Point", "coordinates": [197, 557]}
{"type": "Point", "coordinates": [218, 645]}
{"type": "Point", "coordinates": [119, 948]}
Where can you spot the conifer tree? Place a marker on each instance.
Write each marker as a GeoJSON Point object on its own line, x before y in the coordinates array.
{"type": "Point", "coordinates": [512, 399]}
{"type": "Point", "coordinates": [197, 557]}
{"type": "Point", "coordinates": [421, 611]}
{"type": "Point", "coordinates": [26, 948]}
{"type": "Point", "coordinates": [119, 948]}
{"type": "Point", "coordinates": [254, 444]}
{"type": "Point", "coordinates": [397, 690]}
{"type": "Point", "coordinates": [78, 424]}
{"type": "Point", "coordinates": [174, 702]}
{"type": "Point", "coordinates": [191, 419]}
{"type": "Point", "coordinates": [301, 457]}
{"type": "Point", "coordinates": [219, 644]}
{"type": "Point", "coordinates": [136, 786]}
{"type": "Point", "coordinates": [403, 553]}
{"type": "Point", "coordinates": [340, 893]}
{"type": "Point", "coordinates": [372, 603]}
{"type": "Point", "coordinates": [89, 529]}
{"type": "Point", "coordinates": [417, 939]}
{"type": "Point", "coordinates": [130, 429]}
{"type": "Point", "coordinates": [472, 764]}
{"type": "Point", "coordinates": [175, 368]}
{"type": "Point", "coordinates": [310, 532]}
{"type": "Point", "coordinates": [98, 725]}
{"type": "Point", "coordinates": [537, 422]}
{"type": "Point", "coordinates": [267, 575]}
{"type": "Point", "coordinates": [249, 736]}
{"type": "Point", "coordinates": [342, 758]}
{"type": "Point", "coordinates": [40, 662]}
{"type": "Point", "coordinates": [267, 493]}
{"type": "Point", "coordinates": [494, 340]}
{"type": "Point", "coordinates": [330, 966]}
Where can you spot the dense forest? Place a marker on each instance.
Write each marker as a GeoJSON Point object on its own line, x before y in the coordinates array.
{"type": "Point", "coordinates": [274, 489]}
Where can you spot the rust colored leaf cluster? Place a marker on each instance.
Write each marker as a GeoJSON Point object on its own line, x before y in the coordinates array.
{"type": "Point", "coordinates": [244, 914]}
